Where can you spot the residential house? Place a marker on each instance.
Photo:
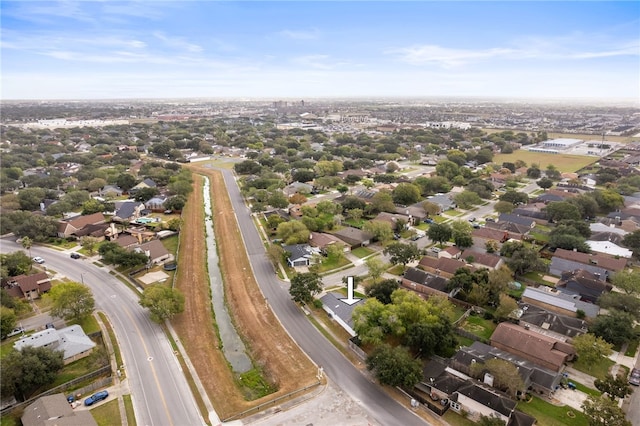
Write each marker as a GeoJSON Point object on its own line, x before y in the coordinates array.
{"type": "Point", "coordinates": [519, 220]}
{"type": "Point", "coordinates": [392, 219]}
{"type": "Point", "coordinates": [323, 240]}
{"type": "Point", "coordinates": [128, 211]}
{"type": "Point", "coordinates": [485, 234]}
{"type": "Point", "coordinates": [610, 248]}
{"type": "Point", "coordinates": [444, 201]}
{"type": "Point", "coordinates": [111, 191]}
{"type": "Point", "coordinates": [300, 254]}
{"type": "Point", "coordinates": [72, 341]}
{"type": "Point", "coordinates": [297, 188]}
{"type": "Point", "coordinates": [69, 227]}
{"type": "Point", "coordinates": [442, 266]}
{"type": "Point", "coordinates": [340, 311]}
{"type": "Point", "coordinates": [27, 286]}
{"type": "Point", "coordinates": [599, 227]}
{"type": "Point", "coordinates": [154, 250]}
{"type": "Point", "coordinates": [556, 301]}
{"type": "Point", "coordinates": [424, 283]}
{"type": "Point", "coordinates": [537, 348]}
{"type": "Point", "coordinates": [146, 183]}
{"type": "Point", "coordinates": [126, 240]}
{"type": "Point", "coordinates": [55, 410]}
{"type": "Point", "coordinates": [534, 377]}
{"type": "Point", "coordinates": [414, 214]}
{"type": "Point", "coordinates": [511, 227]}
{"type": "Point", "coordinates": [482, 260]}
{"type": "Point", "coordinates": [609, 263]}
{"type": "Point", "coordinates": [353, 237]}
{"type": "Point", "coordinates": [583, 283]}
{"type": "Point", "coordinates": [156, 203]}
{"type": "Point", "coordinates": [478, 400]}
{"type": "Point", "coordinates": [560, 327]}
{"type": "Point", "coordinates": [451, 252]}
{"type": "Point", "coordinates": [534, 211]}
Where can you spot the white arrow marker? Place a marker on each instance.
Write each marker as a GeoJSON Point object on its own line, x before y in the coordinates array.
{"type": "Point", "coordinates": [350, 300]}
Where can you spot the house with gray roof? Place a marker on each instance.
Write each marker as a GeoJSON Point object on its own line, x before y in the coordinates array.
{"type": "Point", "coordinates": [424, 283]}
{"type": "Point", "coordinates": [543, 321]}
{"type": "Point", "coordinates": [128, 211]}
{"type": "Point", "coordinates": [444, 201]}
{"type": "Point", "coordinates": [72, 341]}
{"type": "Point", "coordinates": [354, 237]}
{"type": "Point", "coordinates": [339, 310]}
{"type": "Point", "coordinates": [55, 410]}
{"type": "Point", "coordinates": [300, 254]}
{"type": "Point", "coordinates": [556, 301]}
{"type": "Point", "coordinates": [514, 218]}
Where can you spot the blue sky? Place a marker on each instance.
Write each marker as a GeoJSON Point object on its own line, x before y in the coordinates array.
{"type": "Point", "coordinates": [296, 49]}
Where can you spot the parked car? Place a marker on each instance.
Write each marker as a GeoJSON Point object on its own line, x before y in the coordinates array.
{"type": "Point", "coordinates": [75, 255]}
{"type": "Point", "coordinates": [436, 249]}
{"type": "Point", "coordinates": [14, 332]}
{"type": "Point", "coordinates": [38, 259]}
{"type": "Point", "coordinates": [50, 325]}
{"type": "Point", "coordinates": [96, 397]}
{"type": "Point", "coordinates": [634, 377]}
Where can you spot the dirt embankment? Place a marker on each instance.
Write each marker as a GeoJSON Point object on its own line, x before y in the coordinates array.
{"type": "Point", "coordinates": [283, 364]}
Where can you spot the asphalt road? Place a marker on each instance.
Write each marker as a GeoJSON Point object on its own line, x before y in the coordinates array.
{"type": "Point", "coordinates": [378, 404]}
{"type": "Point", "coordinates": [160, 393]}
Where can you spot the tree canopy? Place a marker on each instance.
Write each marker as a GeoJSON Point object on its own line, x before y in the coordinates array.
{"type": "Point", "coordinates": [162, 301]}
{"type": "Point", "coordinates": [26, 370]}
{"type": "Point", "coordinates": [394, 366]}
{"type": "Point", "coordinates": [304, 286]}
{"type": "Point", "coordinates": [71, 301]}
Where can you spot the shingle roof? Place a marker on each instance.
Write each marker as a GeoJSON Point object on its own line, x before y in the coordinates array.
{"type": "Point", "coordinates": [485, 259]}
{"type": "Point", "coordinates": [488, 398]}
{"type": "Point", "coordinates": [506, 217]}
{"type": "Point", "coordinates": [602, 260]}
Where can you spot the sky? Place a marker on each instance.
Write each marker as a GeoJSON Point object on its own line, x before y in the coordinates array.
{"type": "Point", "coordinates": [109, 49]}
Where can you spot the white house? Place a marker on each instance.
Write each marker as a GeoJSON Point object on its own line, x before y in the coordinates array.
{"type": "Point", "coordinates": [71, 340]}
{"type": "Point", "coordinates": [610, 248]}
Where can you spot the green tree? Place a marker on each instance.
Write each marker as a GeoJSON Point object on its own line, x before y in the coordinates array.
{"type": "Point", "coordinates": [92, 206]}
{"type": "Point", "coordinates": [382, 290]}
{"type": "Point", "coordinates": [614, 386]}
{"type": "Point", "coordinates": [533, 172]}
{"type": "Point", "coordinates": [401, 253]}
{"type": "Point", "coordinates": [467, 199]}
{"type": "Point", "coordinates": [627, 281]}
{"type": "Point", "coordinates": [515, 197]}
{"type": "Point", "coordinates": [461, 232]}
{"type": "Point", "coordinates": [89, 244]}
{"type": "Point", "coordinates": [545, 183]}
{"type": "Point", "coordinates": [126, 182]}
{"type": "Point", "coordinates": [27, 243]}
{"type": "Point", "coordinates": [376, 267]}
{"type": "Point", "coordinates": [553, 173]}
{"type": "Point", "coordinates": [507, 305]}
{"type": "Point", "coordinates": [71, 301]}
{"type": "Point", "coordinates": [26, 370]}
{"type": "Point", "coordinates": [447, 169]}
{"type": "Point", "coordinates": [382, 201]}
{"type": "Point", "coordinates": [162, 301]}
{"type": "Point", "coordinates": [601, 411]}
{"type": "Point", "coordinates": [439, 232]}
{"type": "Point", "coordinates": [30, 198]}
{"type": "Point", "coordinates": [504, 207]}
{"type": "Point", "coordinates": [616, 328]}
{"type": "Point", "coordinates": [621, 302]}
{"type": "Point", "coordinates": [591, 349]}
{"type": "Point", "coordinates": [305, 286]}
{"type": "Point", "coordinates": [8, 320]}
{"type": "Point", "coordinates": [406, 194]}
{"type": "Point", "coordinates": [16, 263]}
{"type": "Point", "coordinates": [562, 210]}
{"type": "Point", "coordinates": [293, 232]}
{"type": "Point", "coordinates": [632, 241]}
{"type": "Point", "coordinates": [523, 260]}
{"type": "Point", "coordinates": [394, 366]}
{"type": "Point", "coordinates": [175, 203]}
{"type": "Point", "coordinates": [278, 200]}
{"type": "Point", "coordinates": [381, 231]}
{"type": "Point", "coordinates": [505, 375]}
{"type": "Point", "coordinates": [431, 209]}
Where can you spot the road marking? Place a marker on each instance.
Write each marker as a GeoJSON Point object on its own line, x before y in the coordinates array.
{"type": "Point", "coordinates": [153, 370]}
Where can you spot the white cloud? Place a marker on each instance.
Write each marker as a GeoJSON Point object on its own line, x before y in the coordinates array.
{"type": "Point", "coordinates": [300, 34]}
{"type": "Point", "coordinates": [447, 57]}
{"type": "Point", "coordinates": [178, 42]}
{"type": "Point", "coordinates": [314, 61]}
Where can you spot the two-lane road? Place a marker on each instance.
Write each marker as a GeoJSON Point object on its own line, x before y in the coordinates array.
{"type": "Point", "coordinates": [377, 403]}
{"type": "Point", "coordinates": [160, 393]}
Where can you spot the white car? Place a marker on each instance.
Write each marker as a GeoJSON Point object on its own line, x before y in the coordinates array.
{"type": "Point", "coordinates": [38, 259]}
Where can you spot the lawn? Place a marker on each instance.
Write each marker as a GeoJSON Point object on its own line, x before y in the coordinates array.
{"type": "Point", "coordinates": [479, 326]}
{"type": "Point", "coordinates": [455, 419]}
{"type": "Point", "coordinates": [171, 244]}
{"type": "Point", "coordinates": [599, 370]}
{"type": "Point", "coordinates": [396, 270]}
{"type": "Point", "coordinates": [563, 162]}
{"type": "Point", "coordinates": [128, 406]}
{"type": "Point", "coordinates": [633, 346]}
{"type": "Point", "coordinates": [331, 264]}
{"type": "Point", "coordinates": [361, 252]}
{"type": "Point", "coordinates": [453, 213]}
{"type": "Point", "coordinates": [552, 415]}
{"type": "Point", "coordinates": [105, 414]}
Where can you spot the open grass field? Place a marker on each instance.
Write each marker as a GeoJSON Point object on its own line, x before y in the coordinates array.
{"type": "Point", "coordinates": [552, 415]}
{"type": "Point", "coordinates": [283, 364]}
{"type": "Point", "coordinates": [563, 162]}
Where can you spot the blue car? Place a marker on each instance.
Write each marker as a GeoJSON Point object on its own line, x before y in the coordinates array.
{"type": "Point", "coordinates": [99, 396]}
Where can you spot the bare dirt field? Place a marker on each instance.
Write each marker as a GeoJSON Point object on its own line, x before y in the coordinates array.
{"type": "Point", "coordinates": [284, 365]}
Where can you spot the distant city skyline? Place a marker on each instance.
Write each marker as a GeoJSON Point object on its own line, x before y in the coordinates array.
{"type": "Point", "coordinates": [298, 50]}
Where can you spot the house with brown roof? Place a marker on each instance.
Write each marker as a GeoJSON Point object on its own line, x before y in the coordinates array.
{"type": "Point", "coordinates": [603, 261]}
{"type": "Point", "coordinates": [482, 260]}
{"type": "Point", "coordinates": [323, 240]}
{"type": "Point", "coordinates": [154, 250]}
{"type": "Point", "coordinates": [424, 283]}
{"type": "Point", "coordinates": [354, 237]}
{"type": "Point", "coordinates": [451, 252]}
{"type": "Point", "coordinates": [69, 227]}
{"type": "Point", "coordinates": [442, 266]}
{"type": "Point", "coordinates": [482, 235]}
{"type": "Point", "coordinates": [27, 286]}
{"type": "Point", "coordinates": [537, 348]}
